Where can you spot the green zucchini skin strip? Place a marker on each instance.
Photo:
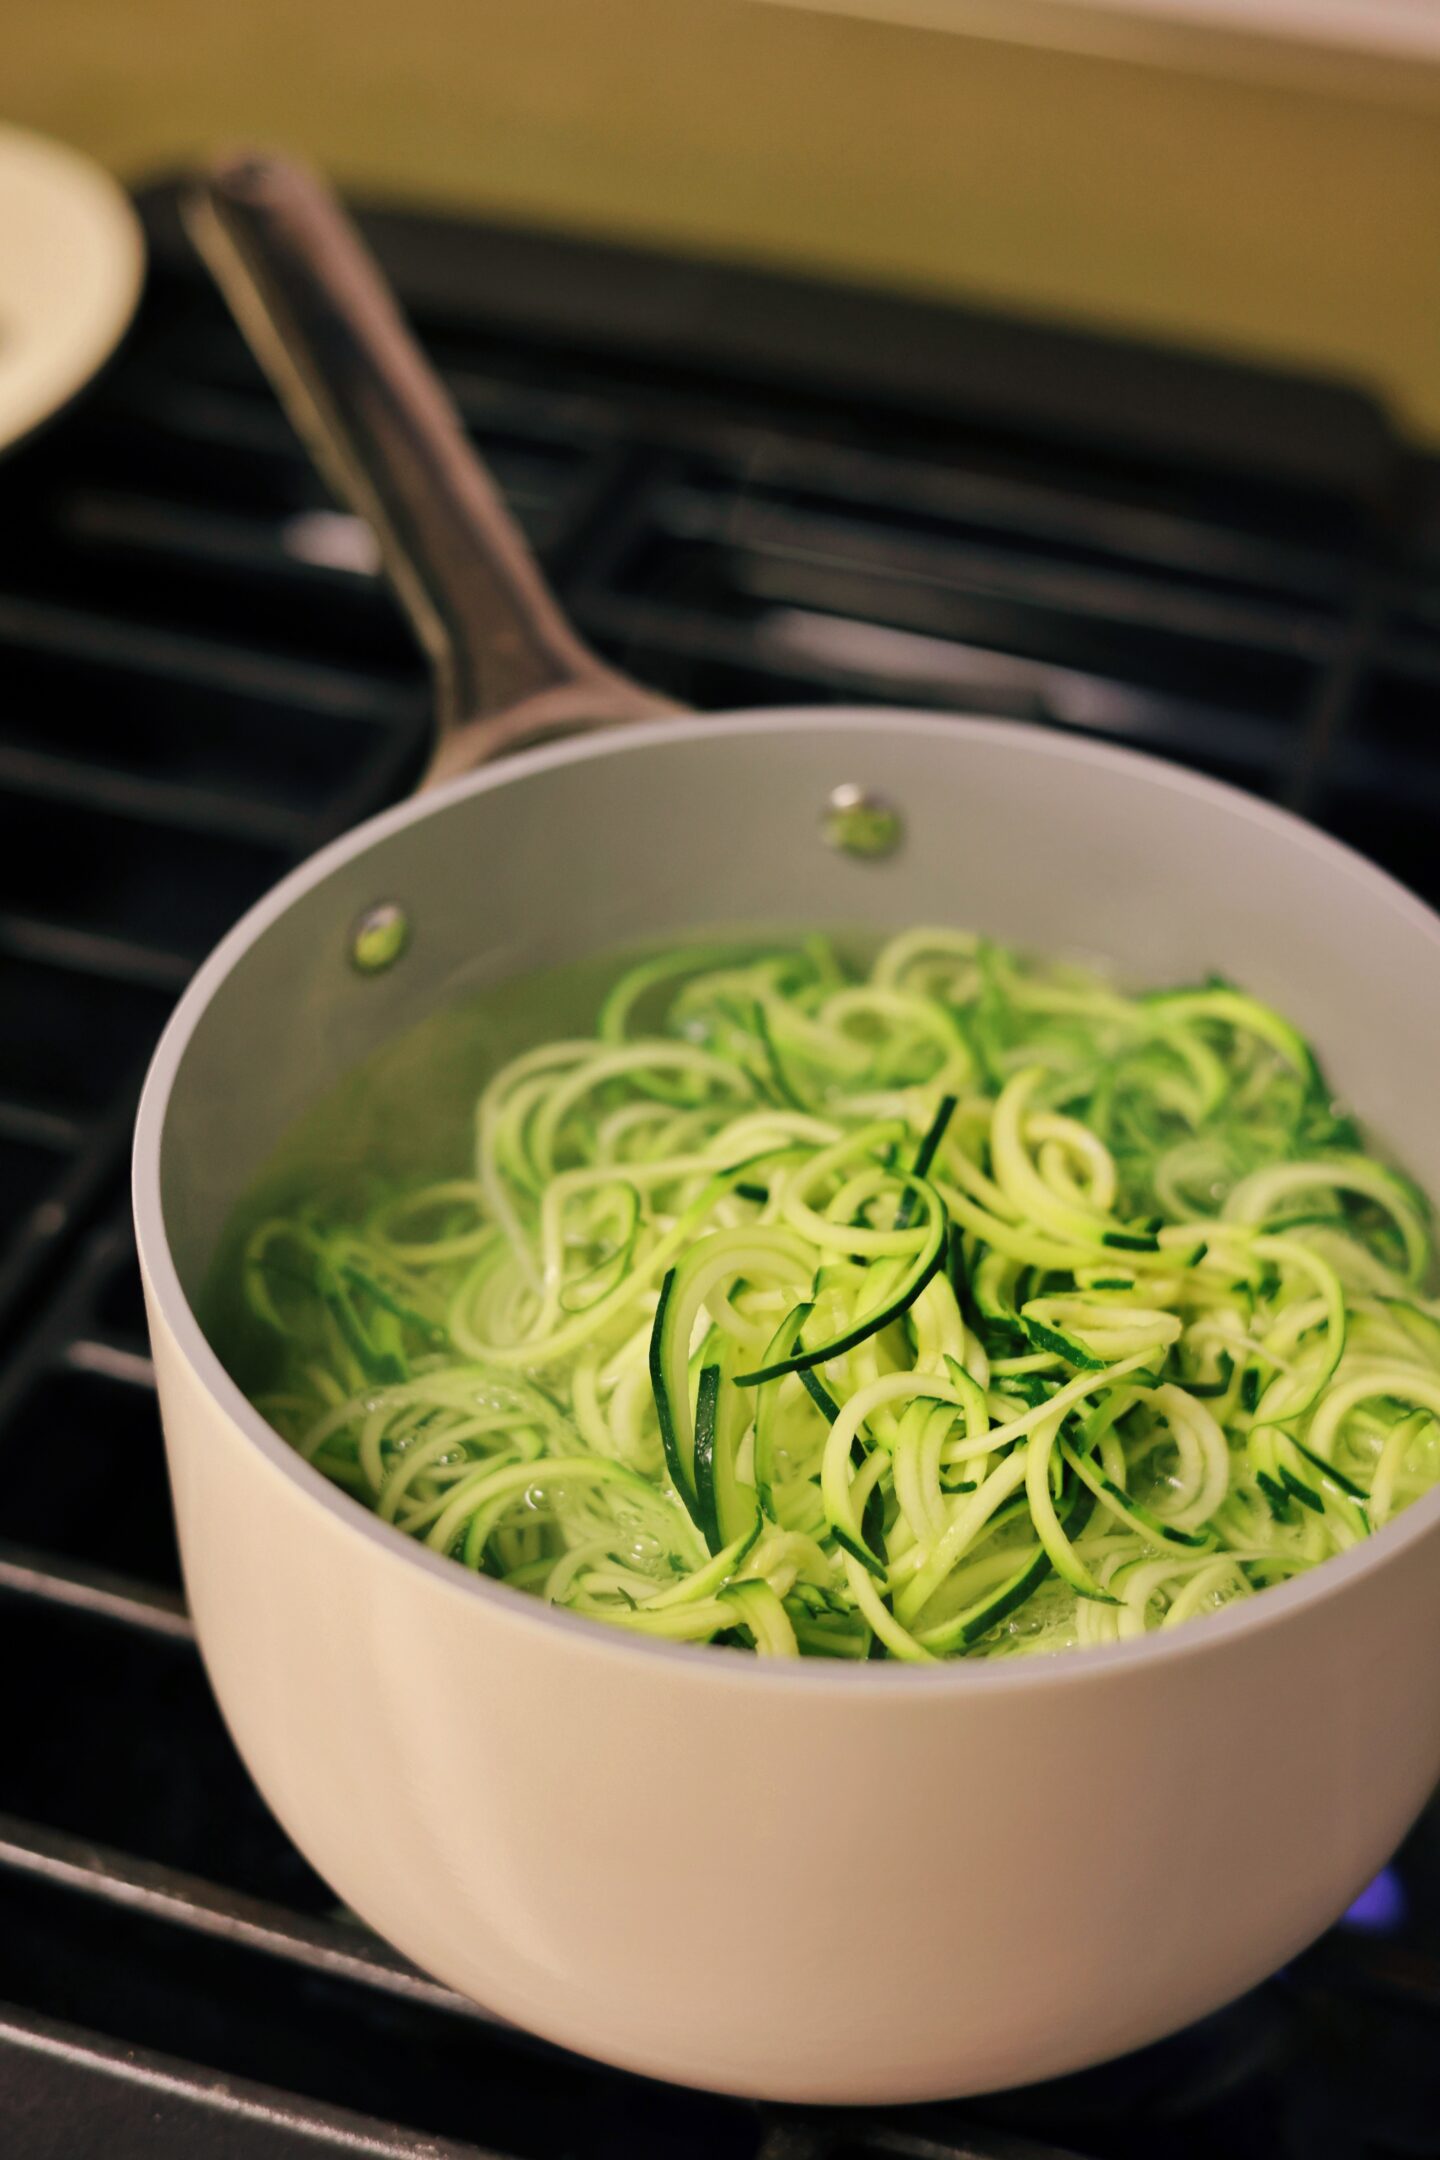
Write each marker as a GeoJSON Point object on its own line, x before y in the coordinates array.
{"type": "Point", "coordinates": [924, 1156]}
{"type": "Point", "coordinates": [931, 1260]}
{"type": "Point", "coordinates": [948, 1302]}
{"type": "Point", "coordinates": [706, 1405]}
{"type": "Point", "coordinates": [728, 1508]}
{"type": "Point", "coordinates": [681, 1473]}
{"type": "Point", "coordinates": [968, 1627]}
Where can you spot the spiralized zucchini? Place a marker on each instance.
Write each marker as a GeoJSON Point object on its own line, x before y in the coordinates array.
{"type": "Point", "coordinates": [959, 1307]}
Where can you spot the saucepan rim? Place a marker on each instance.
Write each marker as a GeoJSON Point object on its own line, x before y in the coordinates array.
{"type": "Point", "coordinates": [708, 1664]}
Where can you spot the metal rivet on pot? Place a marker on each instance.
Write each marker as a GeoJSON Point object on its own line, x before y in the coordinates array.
{"type": "Point", "coordinates": [379, 937]}
{"type": "Point", "coordinates": [858, 822]}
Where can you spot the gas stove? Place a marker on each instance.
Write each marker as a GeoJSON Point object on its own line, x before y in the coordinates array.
{"type": "Point", "coordinates": [747, 490]}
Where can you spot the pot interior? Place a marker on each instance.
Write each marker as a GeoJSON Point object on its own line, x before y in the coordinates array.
{"type": "Point", "coordinates": [668, 830]}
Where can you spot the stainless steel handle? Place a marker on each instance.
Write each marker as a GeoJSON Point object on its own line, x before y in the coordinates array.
{"type": "Point", "coordinates": [311, 301]}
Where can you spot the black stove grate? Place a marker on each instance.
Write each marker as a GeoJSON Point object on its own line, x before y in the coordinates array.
{"type": "Point", "coordinates": [747, 490]}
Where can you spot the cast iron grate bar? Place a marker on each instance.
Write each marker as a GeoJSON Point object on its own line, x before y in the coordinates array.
{"type": "Point", "coordinates": [612, 2107]}
{"type": "Point", "coordinates": [114, 1599]}
{"type": "Point", "coordinates": [145, 2106]}
{"type": "Point", "coordinates": [340, 1947]}
{"type": "Point", "coordinates": [70, 2092]}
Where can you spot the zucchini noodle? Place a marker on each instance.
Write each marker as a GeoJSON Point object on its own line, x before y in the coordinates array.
{"type": "Point", "coordinates": [957, 1306]}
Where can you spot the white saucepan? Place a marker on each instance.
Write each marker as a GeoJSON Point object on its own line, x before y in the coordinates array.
{"type": "Point", "coordinates": [799, 1881]}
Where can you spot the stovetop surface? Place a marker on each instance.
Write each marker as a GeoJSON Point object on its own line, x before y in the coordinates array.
{"type": "Point", "coordinates": [747, 490]}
